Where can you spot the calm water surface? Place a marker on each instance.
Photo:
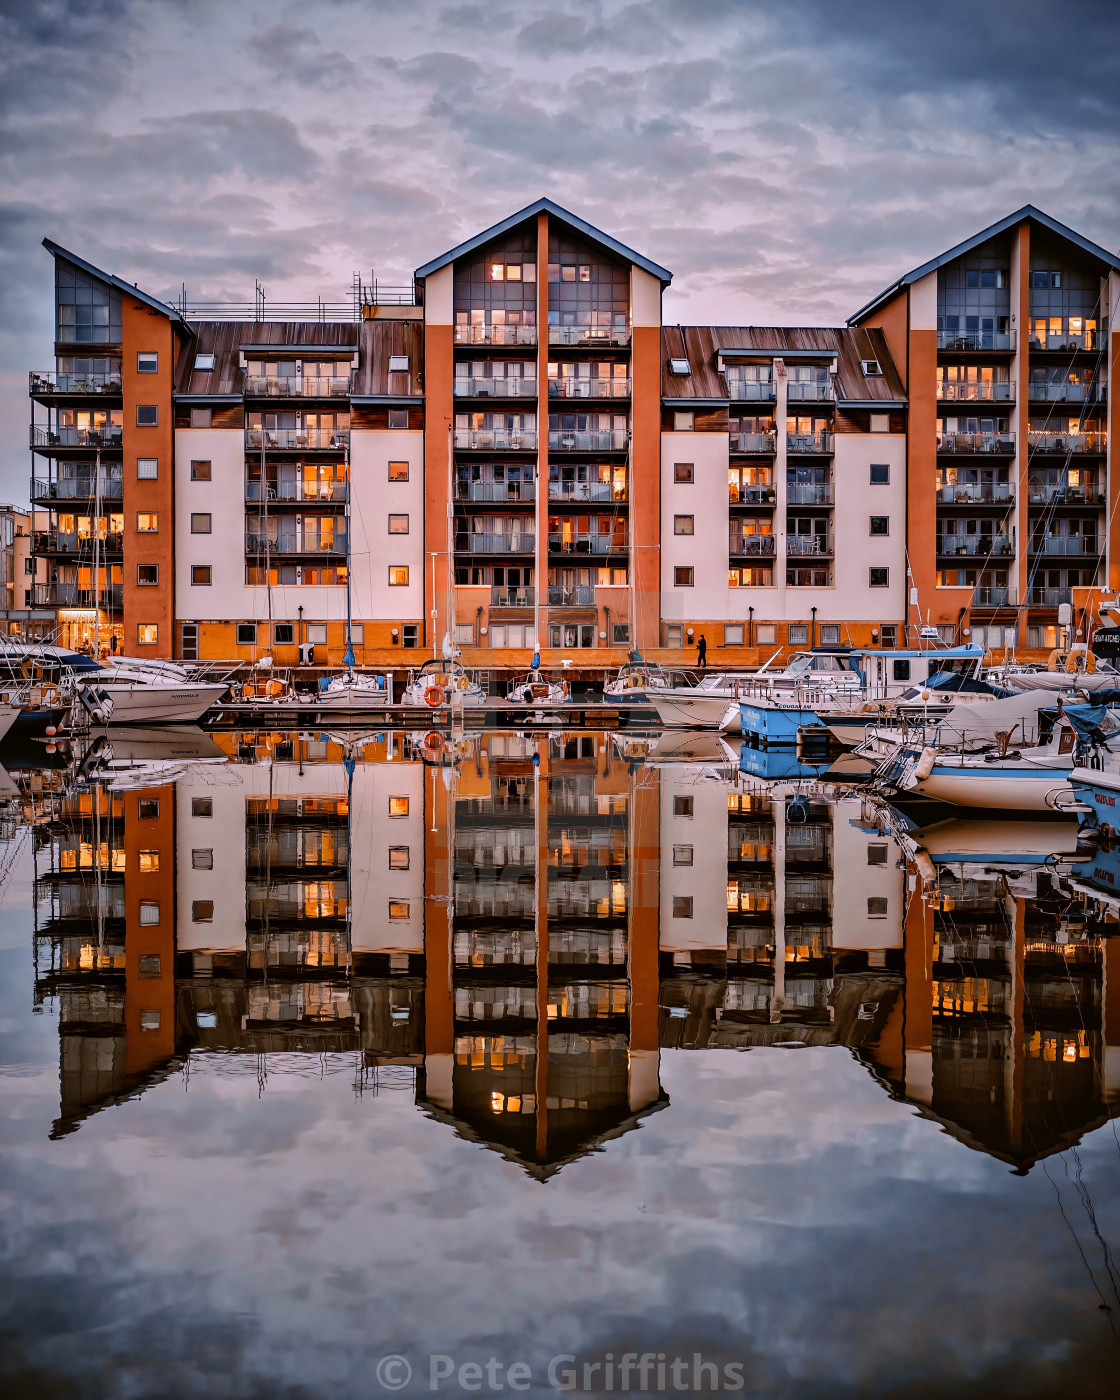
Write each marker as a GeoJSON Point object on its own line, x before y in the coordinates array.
{"type": "Point", "coordinates": [544, 1052]}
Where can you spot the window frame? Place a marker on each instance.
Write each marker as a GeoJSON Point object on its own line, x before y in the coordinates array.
{"type": "Point", "coordinates": [208, 581]}
{"type": "Point", "coordinates": [681, 520]}
{"type": "Point", "coordinates": [197, 474]}
{"type": "Point", "coordinates": [145, 408]}
{"type": "Point", "coordinates": [684, 576]}
{"type": "Point", "coordinates": [678, 468]}
{"type": "Point", "coordinates": [151, 463]}
{"type": "Point", "coordinates": [199, 515]}
{"type": "Point", "coordinates": [399, 476]}
{"type": "Point", "coordinates": [398, 516]}
{"type": "Point", "coordinates": [147, 582]}
{"type": "Point", "coordinates": [398, 582]}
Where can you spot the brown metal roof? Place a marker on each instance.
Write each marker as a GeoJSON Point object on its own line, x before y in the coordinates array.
{"type": "Point", "coordinates": [224, 339]}
{"type": "Point", "coordinates": [379, 340]}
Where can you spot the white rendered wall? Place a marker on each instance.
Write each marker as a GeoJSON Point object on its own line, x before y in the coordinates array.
{"type": "Point", "coordinates": [705, 880]}
{"type": "Point", "coordinates": [856, 548]}
{"type": "Point", "coordinates": [373, 497]}
{"type": "Point", "coordinates": [705, 498]}
{"type": "Point", "coordinates": [854, 882]}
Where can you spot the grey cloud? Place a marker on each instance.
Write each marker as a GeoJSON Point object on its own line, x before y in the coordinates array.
{"type": "Point", "coordinates": [298, 54]}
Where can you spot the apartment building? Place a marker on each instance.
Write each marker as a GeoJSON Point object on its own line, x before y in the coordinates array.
{"type": "Point", "coordinates": [21, 609]}
{"type": "Point", "coordinates": [515, 450]}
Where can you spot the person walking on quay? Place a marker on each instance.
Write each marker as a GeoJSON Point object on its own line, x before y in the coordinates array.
{"type": "Point", "coordinates": [702, 653]}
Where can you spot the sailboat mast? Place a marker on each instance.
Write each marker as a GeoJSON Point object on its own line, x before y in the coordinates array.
{"type": "Point", "coordinates": [97, 557]}
{"type": "Point", "coordinates": [348, 659]}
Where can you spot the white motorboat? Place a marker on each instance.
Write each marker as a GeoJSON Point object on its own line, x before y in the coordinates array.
{"type": "Point", "coordinates": [638, 679]}
{"type": "Point", "coordinates": [711, 704]}
{"type": "Point", "coordinates": [8, 716]}
{"type": "Point", "coordinates": [537, 690]}
{"type": "Point", "coordinates": [146, 694]}
{"type": "Point", "coordinates": [442, 682]}
{"type": "Point", "coordinates": [353, 691]}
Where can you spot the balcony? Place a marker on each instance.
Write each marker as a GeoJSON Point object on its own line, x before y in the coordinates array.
{"type": "Point", "coordinates": [298, 492]}
{"type": "Point", "coordinates": [1050, 597]}
{"type": "Point", "coordinates": [753, 442]}
{"type": "Point", "coordinates": [964, 391]}
{"type": "Point", "coordinates": [976, 493]}
{"type": "Point", "coordinates": [809, 442]}
{"type": "Point", "coordinates": [1066, 442]}
{"type": "Point", "coordinates": [108, 436]}
{"type": "Point", "coordinates": [76, 546]}
{"type": "Point", "coordinates": [583, 333]}
{"type": "Point", "coordinates": [764, 495]}
{"type": "Point", "coordinates": [1081, 546]}
{"type": "Point", "coordinates": [579, 388]}
{"type": "Point", "coordinates": [984, 596]}
{"type": "Point", "coordinates": [293, 387]}
{"type": "Point", "coordinates": [586, 544]}
{"type": "Point", "coordinates": [296, 542]}
{"type": "Point", "coordinates": [752, 546]}
{"type": "Point", "coordinates": [818, 546]}
{"type": "Point", "coordinates": [599, 440]}
{"type": "Point", "coordinates": [500, 492]}
{"type": "Point", "coordinates": [1051, 493]}
{"type": "Point", "coordinates": [495, 439]}
{"type": "Point", "coordinates": [1048, 392]}
{"type": "Point", "coordinates": [810, 391]}
{"type": "Point", "coordinates": [974, 546]}
{"type": "Point", "coordinates": [960, 443]}
{"type": "Point", "coordinates": [578, 596]}
{"type": "Point", "coordinates": [69, 595]}
{"type": "Point", "coordinates": [495, 335]}
{"type": "Point", "coordinates": [82, 488]}
{"type": "Point", "coordinates": [487, 387]}
{"type": "Point", "coordinates": [975, 340]}
{"type": "Point", "coordinates": [750, 390]}
{"type": "Point", "coordinates": [297, 439]}
{"type": "Point", "coordinates": [495, 544]}
{"type": "Point", "coordinates": [42, 383]}
{"type": "Point", "coordinates": [512, 597]}
{"type": "Point", "coordinates": [1065, 340]}
{"type": "Point", "coordinates": [816, 493]}
{"type": "Point", "coordinates": [585, 491]}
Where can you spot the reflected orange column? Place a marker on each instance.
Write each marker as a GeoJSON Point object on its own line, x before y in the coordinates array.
{"type": "Point", "coordinates": [1113, 483]}
{"type": "Point", "coordinates": [540, 813]}
{"type": "Point", "coordinates": [540, 559]}
{"type": "Point", "coordinates": [439, 377]}
{"type": "Point", "coordinates": [149, 1002]}
{"type": "Point", "coordinates": [918, 1026]}
{"type": "Point", "coordinates": [1022, 295]}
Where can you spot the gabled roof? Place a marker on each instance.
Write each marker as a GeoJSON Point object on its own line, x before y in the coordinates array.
{"type": "Point", "coordinates": [121, 285]}
{"type": "Point", "coordinates": [553, 210]}
{"type": "Point", "coordinates": [1028, 211]}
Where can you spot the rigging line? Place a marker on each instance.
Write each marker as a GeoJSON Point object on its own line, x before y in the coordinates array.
{"type": "Point", "coordinates": [1106, 1307]}
{"type": "Point", "coordinates": [1090, 1211]}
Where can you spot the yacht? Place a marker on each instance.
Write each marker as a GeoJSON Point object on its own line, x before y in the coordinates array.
{"type": "Point", "coordinates": [353, 691]}
{"type": "Point", "coordinates": [9, 713]}
{"type": "Point", "coordinates": [711, 704]}
{"type": "Point", "coordinates": [437, 681]}
{"type": "Point", "coordinates": [537, 690]}
{"type": "Point", "coordinates": [638, 679]}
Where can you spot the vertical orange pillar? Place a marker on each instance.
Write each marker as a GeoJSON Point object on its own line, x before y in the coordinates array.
{"type": "Point", "coordinates": [645, 483]}
{"type": "Point", "coordinates": [918, 1023]}
{"type": "Point", "coordinates": [921, 481]}
{"type": "Point", "coordinates": [540, 562]}
{"type": "Point", "coordinates": [149, 944]}
{"type": "Point", "coordinates": [1112, 485]}
{"type": "Point", "coordinates": [439, 384]}
{"type": "Point", "coordinates": [540, 1088]}
{"type": "Point", "coordinates": [439, 892]}
{"type": "Point", "coordinates": [1022, 294]}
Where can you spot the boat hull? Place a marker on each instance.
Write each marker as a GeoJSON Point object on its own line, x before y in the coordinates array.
{"type": "Point", "coordinates": [773, 722]}
{"type": "Point", "coordinates": [694, 711]}
{"type": "Point", "coordinates": [155, 704]}
{"type": "Point", "coordinates": [1006, 789]}
{"type": "Point", "coordinates": [1100, 793]}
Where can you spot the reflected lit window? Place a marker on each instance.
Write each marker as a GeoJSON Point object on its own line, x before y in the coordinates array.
{"type": "Point", "coordinates": [149, 862]}
{"type": "Point", "coordinates": [149, 912]}
{"type": "Point", "coordinates": [149, 1020]}
{"type": "Point", "coordinates": [398, 806]}
{"type": "Point", "coordinates": [398, 857]}
{"type": "Point", "coordinates": [398, 909]}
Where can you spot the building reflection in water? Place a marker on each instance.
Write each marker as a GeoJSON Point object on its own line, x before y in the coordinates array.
{"type": "Point", "coordinates": [516, 927]}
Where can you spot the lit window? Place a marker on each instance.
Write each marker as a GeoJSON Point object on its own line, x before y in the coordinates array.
{"type": "Point", "coordinates": [398, 909]}
{"type": "Point", "coordinates": [398, 857]}
{"type": "Point", "coordinates": [149, 912]}
{"type": "Point", "coordinates": [200, 471]}
{"type": "Point", "coordinates": [398, 575]}
{"type": "Point", "coordinates": [398, 471]}
{"type": "Point", "coordinates": [398, 524]}
{"type": "Point", "coordinates": [202, 911]}
{"type": "Point", "coordinates": [147, 633]}
{"type": "Point", "coordinates": [147, 522]}
{"type": "Point", "coordinates": [202, 860]}
{"type": "Point", "coordinates": [147, 574]}
{"type": "Point", "coordinates": [147, 415]}
{"type": "Point", "coordinates": [201, 575]}
{"type": "Point", "coordinates": [147, 362]}
{"type": "Point", "coordinates": [200, 522]}
{"type": "Point", "coordinates": [398, 806]}
{"type": "Point", "coordinates": [147, 468]}
{"type": "Point", "coordinates": [204, 361]}
{"type": "Point", "coordinates": [149, 1020]}
{"type": "Point", "coordinates": [149, 862]}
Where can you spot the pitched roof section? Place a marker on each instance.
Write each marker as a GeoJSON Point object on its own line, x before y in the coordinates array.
{"type": "Point", "coordinates": [121, 285]}
{"type": "Point", "coordinates": [553, 210]}
{"type": "Point", "coordinates": [1028, 211]}
{"type": "Point", "coordinates": [227, 340]}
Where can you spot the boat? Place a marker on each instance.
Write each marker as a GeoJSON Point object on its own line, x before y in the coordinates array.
{"type": "Point", "coordinates": [704, 747]}
{"type": "Point", "coordinates": [537, 690]}
{"type": "Point", "coordinates": [437, 682]}
{"type": "Point", "coordinates": [8, 716]}
{"type": "Point", "coordinates": [353, 691]}
{"type": "Point", "coordinates": [146, 694]}
{"type": "Point", "coordinates": [713, 703]}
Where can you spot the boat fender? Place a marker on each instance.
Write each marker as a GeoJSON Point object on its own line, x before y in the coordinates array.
{"type": "Point", "coordinates": [925, 694]}
{"type": "Point", "coordinates": [274, 688]}
{"type": "Point", "coordinates": [51, 731]}
{"type": "Point", "coordinates": [462, 683]}
{"type": "Point", "coordinates": [925, 867]}
{"type": "Point", "coordinates": [798, 810]}
{"type": "Point", "coordinates": [924, 766]}
{"type": "Point", "coordinates": [433, 695]}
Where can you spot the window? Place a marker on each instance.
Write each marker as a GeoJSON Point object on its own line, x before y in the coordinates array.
{"type": "Point", "coordinates": [880, 525]}
{"type": "Point", "coordinates": [679, 366]}
{"type": "Point", "coordinates": [880, 474]}
{"type": "Point", "coordinates": [147, 574]}
{"type": "Point", "coordinates": [398, 575]}
{"type": "Point", "coordinates": [682, 855]}
{"type": "Point", "coordinates": [149, 912]}
{"type": "Point", "coordinates": [464, 634]}
{"type": "Point", "coordinates": [149, 862]}
{"type": "Point", "coordinates": [200, 470]}
{"type": "Point", "coordinates": [206, 1020]}
{"type": "Point", "coordinates": [684, 577]}
{"type": "Point", "coordinates": [398, 364]}
{"type": "Point", "coordinates": [620, 633]}
{"type": "Point", "coordinates": [684, 524]}
{"type": "Point", "coordinates": [398, 471]}
{"type": "Point", "coordinates": [398, 909]}
{"type": "Point", "coordinates": [733, 634]}
{"type": "Point", "coordinates": [682, 422]}
{"type": "Point", "coordinates": [888, 634]}
{"type": "Point", "coordinates": [682, 906]}
{"type": "Point", "coordinates": [205, 361]}
{"type": "Point", "coordinates": [878, 578]}
{"type": "Point", "coordinates": [147, 362]}
{"type": "Point", "coordinates": [150, 965]}
{"type": "Point", "coordinates": [901, 670]}
{"type": "Point", "coordinates": [766, 634]}
{"type": "Point", "coordinates": [147, 633]}
{"type": "Point", "coordinates": [398, 806]}
{"type": "Point", "coordinates": [202, 911]}
{"type": "Point", "coordinates": [283, 633]}
{"type": "Point", "coordinates": [410, 634]}
{"type": "Point", "coordinates": [398, 418]}
{"type": "Point", "coordinates": [830, 634]}
{"type": "Point", "coordinates": [876, 907]}
{"type": "Point", "coordinates": [682, 806]}
{"type": "Point", "coordinates": [201, 575]}
{"type": "Point", "coordinates": [202, 806]}
{"type": "Point", "coordinates": [202, 417]}
{"type": "Point", "coordinates": [147, 809]}
{"type": "Point", "coordinates": [880, 422]}
{"type": "Point", "coordinates": [684, 473]}
{"type": "Point", "coordinates": [799, 634]}
{"type": "Point", "coordinates": [149, 1020]}
{"type": "Point", "coordinates": [398, 857]}
{"type": "Point", "coordinates": [147, 468]}
{"type": "Point", "coordinates": [876, 855]}
{"type": "Point", "coordinates": [246, 634]}
{"type": "Point", "coordinates": [147, 415]}
{"type": "Point", "coordinates": [200, 522]}
{"type": "Point", "coordinates": [398, 524]}
{"type": "Point", "coordinates": [317, 633]}
{"type": "Point", "coordinates": [202, 860]}
{"type": "Point", "coordinates": [871, 367]}
{"type": "Point", "coordinates": [358, 634]}
{"type": "Point", "coordinates": [147, 522]}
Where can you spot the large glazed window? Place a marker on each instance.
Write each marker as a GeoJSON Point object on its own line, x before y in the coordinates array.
{"type": "Point", "coordinates": [498, 288]}
{"type": "Point", "coordinates": [586, 287]}
{"type": "Point", "coordinates": [89, 311]}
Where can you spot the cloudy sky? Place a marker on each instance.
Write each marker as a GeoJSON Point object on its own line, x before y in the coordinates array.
{"type": "Point", "coordinates": [785, 161]}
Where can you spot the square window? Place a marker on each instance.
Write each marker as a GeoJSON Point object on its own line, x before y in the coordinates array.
{"type": "Point", "coordinates": [147, 468]}
{"type": "Point", "coordinates": [246, 634]}
{"type": "Point", "coordinates": [150, 966]}
{"type": "Point", "coordinates": [878, 578]}
{"type": "Point", "coordinates": [888, 634]}
{"type": "Point", "coordinates": [620, 633]}
{"type": "Point", "coordinates": [358, 633]}
{"type": "Point", "coordinates": [876, 907]}
{"type": "Point", "coordinates": [202, 911]}
{"type": "Point", "coordinates": [149, 1020]}
{"type": "Point", "coordinates": [149, 862]}
{"type": "Point", "coordinates": [147, 809]}
{"type": "Point", "coordinates": [682, 906]}
{"type": "Point", "coordinates": [202, 417]}
{"type": "Point", "coordinates": [147, 522]}
{"type": "Point", "coordinates": [283, 633]}
{"type": "Point", "coordinates": [684, 473]}
{"type": "Point", "coordinates": [149, 912]}
{"type": "Point", "coordinates": [766, 634]}
{"type": "Point", "coordinates": [871, 367]}
{"type": "Point", "coordinates": [684, 524]}
{"type": "Point", "coordinates": [147, 415]}
{"type": "Point", "coordinates": [733, 634]}
{"type": "Point", "coordinates": [147, 633]}
{"type": "Point", "coordinates": [398, 524]}
{"type": "Point", "coordinates": [398, 857]}
{"type": "Point", "coordinates": [398, 909]}
{"type": "Point", "coordinates": [684, 577]}
{"type": "Point", "coordinates": [682, 855]}
{"type": "Point", "coordinates": [683, 422]}
{"type": "Point", "coordinates": [398, 575]}
{"type": "Point", "coordinates": [202, 806]}
{"type": "Point", "coordinates": [410, 634]}
{"type": "Point", "coordinates": [880, 474]}
{"type": "Point", "coordinates": [880, 525]}
{"type": "Point", "coordinates": [147, 362]}
{"type": "Point", "coordinates": [201, 575]}
{"type": "Point", "coordinates": [398, 471]}
{"type": "Point", "coordinates": [204, 361]}
{"type": "Point", "coordinates": [398, 806]}
{"type": "Point", "coordinates": [201, 522]}
{"type": "Point", "coordinates": [200, 470]}
{"type": "Point", "coordinates": [398, 418]}
{"type": "Point", "coordinates": [398, 364]}
{"type": "Point", "coordinates": [830, 634]}
{"type": "Point", "coordinates": [682, 806]}
{"type": "Point", "coordinates": [317, 633]}
{"type": "Point", "coordinates": [901, 670]}
{"type": "Point", "coordinates": [147, 574]}
{"type": "Point", "coordinates": [876, 855]}
{"type": "Point", "coordinates": [799, 634]}
{"type": "Point", "coordinates": [880, 422]}
{"type": "Point", "coordinates": [202, 860]}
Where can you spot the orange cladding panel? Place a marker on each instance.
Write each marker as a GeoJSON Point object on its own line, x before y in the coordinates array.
{"type": "Point", "coordinates": [645, 498]}
{"type": "Point", "coordinates": [921, 482]}
{"type": "Point", "coordinates": [149, 947]}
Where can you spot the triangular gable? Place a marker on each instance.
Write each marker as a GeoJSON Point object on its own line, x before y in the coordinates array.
{"type": "Point", "coordinates": [126, 288]}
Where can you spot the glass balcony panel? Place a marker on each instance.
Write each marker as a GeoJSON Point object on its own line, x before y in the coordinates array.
{"type": "Point", "coordinates": [808, 544]}
{"type": "Point", "coordinates": [495, 335]}
{"type": "Point", "coordinates": [495, 439]}
{"type": "Point", "coordinates": [750, 390]}
{"type": "Point", "coordinates": [752, 442]}
{"type": "Point", "coordinates": [1067, 544]}
{"type": "Point", "coordinates": [1050, 597]}
{"type": "Point", "coordinates": [986, 596]}
{"type": "Point", "coordinates": [810, 391]}
{"type": "Point", "coordinates": [585, 333]}
{"type": "Point", "coordinates": [756, 546]}
{"type": "Point", "coordinates": [974, 391]}
{"type": "Point", "coordinates": [1094, 441]}
{"type": "Point", "coordinates": [108, 436]}
{"type": "Point", "coordinates": [975, 340]}
{"type": "Point", "coordinates": [486, 386]}
{"type": "Point", "coordinates": [284, 386]}
{"type": "Point", "coordinates": [971, 492]}
{"type": "Point", "coordinates": [80, 488]}
{"type": "Point", "coordinates": [501, 492]}
{"type": "Point", "coordinates": [586, 544]}
{"type": "Point", "coordinates": [577, 596]}
{"type": "Point", "coordinates": [299, 491]}
{"type": "Point", "coordinates": [598, 440]}
{"type": "Point", "coordinates": [585, 491]}
{"type": "Point", "coordinates": [293, 542]}
{"type": "Point", "coordinates": [974, 545]}
{"type": "Point", "coordinates": [578, 388]}
{"type": "Point", "coordinates": [976, 442]}
{"type": "Point", "coordinates": [49, 381]}
{"type": "Point", "coordinates": [817, 493]}
{"type": "Point", "coordinates": [292, 439]}
{"type": "Point", "coordinates": [496, 544]}
{"type": "Point", "coordinates": [512, 597]}
{"type": "Point", "coordinates": [809, 442]}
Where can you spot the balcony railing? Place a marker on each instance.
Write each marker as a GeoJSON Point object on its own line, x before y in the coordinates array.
{"type": "Point", "coordinates": [295, 543]}
{"type": "Point", "coordinates": [751, 390]}
{"type": "Point", "coordinates": [751, 495]}
{"type": "Point", "coordinates": [69, 595]}
{"type": "Point", "coordinates": [965, 391]}
{"type": "Point", "coordinates": [292, 439]}
{"type": "Point", "coordinates": [285, 492]}
{"type": "Point", "coordinates": [1066, 442]}
{"type": "Point", "coordinates": [48, 381]}
{"type": "Point", "coordinates": [1045, 493]}
{"type": "Point", "coordinates": [586, 544]}
{"type": "Point", "coordinates": [752, 546]}
{"type": "Point", "coordinates": [810, 391]}
{"type": "Point", "coordinates": [578, 596]}
{"type": "Point", "coordinates": [985, 596]}
{"type": "Point", "coordinates": [512, 597]}
{"type": "Point", "coordinates": [1050, 597]}
{"type": "Point", "coordinates": [81, 546]}
{"type": "Point", "coordinates": [80, 488]}
{"type": "Point", "coordinates": [1084, 545]}
{"type": "Point", "coordinates": [496, 439]}
{"type": "Point", "coordinates": [818, 545]}
{"type": "Point", "coordinates": [973, 545]}
{"type": "Point", "coordinates": [585, 334]}
{"type": "Point", "coordinates": [495, 544]}
{"type": "Point", "coordinates": [292, 387]}
{"type": "Point", "coordinates": [976, 442]}
{"type": "Point", "coordinates": [817, 493]}
{"type": "Point", "coordinates": [1065, 340]}
{"type": "Point", "coordinates": [976, 492]}
{"type": "Point", "coordinates": [108, 436]}
{"type": "Point", "coordinates": [809, 442]}
{"type": "Point", "coordinates": [753, 442]}
{"type": "Point", "coordinates": [502, 492]}
{"type": "Point", "coordinates": [577, 388]}
{"type": "Point", "coordinates": [1065, 393]}
{"type": "Point", "coordinates": [976, 340]}
{"type": "Point", "coordinates": [590, 491]}
{"type": "Point", "coordinates": [495, 335]}
{"type": "Point", "coordinates": [486, 386]}
{"type": "Point", "coordinates": [599, 440]}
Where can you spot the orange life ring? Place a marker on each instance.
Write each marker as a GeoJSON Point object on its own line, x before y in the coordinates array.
{"type": "Point", "coordinates": [433, 696]}
{"type": "Point", "coordinates": [433, 741]}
